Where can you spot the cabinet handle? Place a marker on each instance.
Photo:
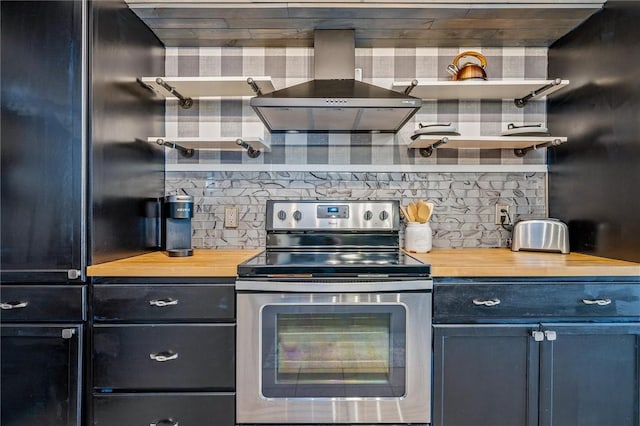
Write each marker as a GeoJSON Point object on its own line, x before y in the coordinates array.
{"type": "Point", "coordinates": [599, 302]}
{"type": "Point", "coordinates": [13, 305]}
{"type": "Point", "coordinates": [538, 336]}
{"type": "Point", "coordinates": [550, 335]}
{"type": "Point", "coordinates": [164, 422]}
{"type": "Point", "coordinates": [490, 302]}
{"type": "Point", "coordinates": [161, 303]}
{"type": "Point", "coordinates": [164, 356]}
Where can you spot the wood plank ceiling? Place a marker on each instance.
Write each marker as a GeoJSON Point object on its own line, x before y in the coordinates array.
{"type": "Point", "coordinates": [443, 23]}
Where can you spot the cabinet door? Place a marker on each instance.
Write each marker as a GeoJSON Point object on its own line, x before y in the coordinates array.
{"type": "Point", "coordinates": [40, 375]}
{"type": "Point", "coordinates": [41, 126]}
{"type": "Point", "coordinates": [590, 375]}
{"type": "Point", "coordinates": [485, 375]}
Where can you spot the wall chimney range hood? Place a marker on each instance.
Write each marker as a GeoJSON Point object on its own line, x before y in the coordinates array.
{"type": "Point", "coordinates": [334, 101]}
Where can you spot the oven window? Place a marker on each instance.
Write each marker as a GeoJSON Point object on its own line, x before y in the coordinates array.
{"type": "Point", "coordinates": [333, 351]}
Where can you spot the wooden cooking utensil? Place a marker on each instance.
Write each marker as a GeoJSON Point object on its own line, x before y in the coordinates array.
{"type": "Point", "coordinates": [430, 211]}
{"type": "Point", "coordinates": [405, 213]}
{"type": "Point", "coordinates": [423, 211]}
{"type": "Point", "coordinates": [413, 211]}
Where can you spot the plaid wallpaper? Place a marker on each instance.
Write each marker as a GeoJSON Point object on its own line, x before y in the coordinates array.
{"type": "Point", "coordinates": [381, 66]}
{"type": "Point", "coordinates": [464, 212]}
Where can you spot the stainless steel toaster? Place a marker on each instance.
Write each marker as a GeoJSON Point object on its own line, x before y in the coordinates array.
{"type": "Point", "coordinates": [540, 235]}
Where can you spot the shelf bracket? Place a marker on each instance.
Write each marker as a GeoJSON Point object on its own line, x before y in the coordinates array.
{"type": "Point", "coordinates": [251, 82]}
{"type": "Point", "coordinates": [145, 85]}
{"type": "Point", "coordinates": [185, 152]}
{"type": "Point", "coordinates": [521, 102]}
{"type": "Point", "coordinates": [521, 152]}
{"type": "Point", "coordinates": [251, 151]}
{"type": "Point", "coordinates": [410, 87]}
{"type": "Point", "coordinates": [428, 151]}
{"type": "Point", "coordinates": [184, 101]}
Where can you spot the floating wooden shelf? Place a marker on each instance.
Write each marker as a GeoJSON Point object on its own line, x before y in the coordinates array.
{"type": "Point", "coordinates": [481, 89]}
{"type": "Point", "coordinates": [520, 144]}
{"type": "Point", "coordinates": [208, 87]}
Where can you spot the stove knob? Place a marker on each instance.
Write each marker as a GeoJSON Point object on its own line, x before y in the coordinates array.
{"type": "Point", "coordinates": [297, 215]}
{"type": "Point", "coordinates": [368, 215]}
{"type": "Point", "coordinates": [384, 215]}
{"type": "Point", "coordinates": [282, 215]}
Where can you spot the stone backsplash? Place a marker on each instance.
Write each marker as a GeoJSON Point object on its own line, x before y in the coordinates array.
{"type": "Point", "coordinates": [464, 202]}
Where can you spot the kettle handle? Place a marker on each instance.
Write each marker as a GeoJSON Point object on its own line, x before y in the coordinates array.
{"type": "Point", "coordinates": [479, 56]}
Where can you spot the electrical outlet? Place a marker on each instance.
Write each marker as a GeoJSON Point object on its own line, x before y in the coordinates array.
{"type": "Point", "coordinates": [230, 217]}
{"type": "Point", "coordinates": [500, 214]}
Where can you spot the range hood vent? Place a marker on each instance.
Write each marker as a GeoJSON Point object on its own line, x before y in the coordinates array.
{"type": "Point", "coordinates": [335, 101]}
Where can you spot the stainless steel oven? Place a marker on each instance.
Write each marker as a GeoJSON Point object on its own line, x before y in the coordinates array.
{"type": "Point", "coordinates": [333, 327]}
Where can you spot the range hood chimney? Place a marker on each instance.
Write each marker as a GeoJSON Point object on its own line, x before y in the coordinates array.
{"type": "Point", "coordinates": [334, 101]}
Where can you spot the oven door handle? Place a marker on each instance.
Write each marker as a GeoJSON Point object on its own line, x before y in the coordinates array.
{"type": "Point", "coordinates": [322, 286]}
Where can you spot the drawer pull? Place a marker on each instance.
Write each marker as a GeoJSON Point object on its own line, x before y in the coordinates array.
{"type": "Point", "coordinates": [490, 302]}
{"type": "Point", "coordinates": [599, 302]}
{"type": "Point", "coordinates": [164, 356]}
{"type": "Point", "coordinates": [161, 303]}
{"type": "Point", "coordinates": [13, 305]}
{"type": "Point", "coordinates": [164, 422]}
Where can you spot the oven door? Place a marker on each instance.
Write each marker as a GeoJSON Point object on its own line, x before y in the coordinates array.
{"type": "Point", "coordinates": [334, 357]}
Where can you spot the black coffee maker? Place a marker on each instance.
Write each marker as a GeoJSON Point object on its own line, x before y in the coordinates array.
{"type": "Point", "coordinates": [178, 211]}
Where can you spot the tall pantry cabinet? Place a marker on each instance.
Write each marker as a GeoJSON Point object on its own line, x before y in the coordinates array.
{"type": "Point", "coordinates": [76, 183]}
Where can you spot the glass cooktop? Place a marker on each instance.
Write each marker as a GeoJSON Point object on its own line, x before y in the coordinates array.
{"type": "Point", "coordinates": [393, 263]}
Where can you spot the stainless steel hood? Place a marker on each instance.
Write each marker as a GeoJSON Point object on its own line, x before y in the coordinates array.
{"type": "Point", "coordinates": [335, 101]}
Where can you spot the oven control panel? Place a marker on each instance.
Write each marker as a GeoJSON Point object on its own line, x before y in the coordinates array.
{"type": "Point", "coordinates": [332, 211]}
{"type": "Point", "coordinates": [328, 215]}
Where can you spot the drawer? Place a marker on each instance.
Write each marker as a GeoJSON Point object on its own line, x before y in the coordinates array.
{"type": "Point", "coordinates": [63, 303]}
{"type": "Point", "coordinates": [184, 409]}
{"type": "Point", "coordinates": [482, 302]}
{"type": "Point", "coordinates": [164, 357]}
{"type": "Point", "coordinates": [157, 302]}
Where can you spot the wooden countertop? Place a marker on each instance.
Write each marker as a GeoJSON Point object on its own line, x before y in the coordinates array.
{"type": "Point", "coordinates": [203, 263]}
{"type": "Point", "coordinates": [502, 262]}
{"type": "Point", "coordinates": [471, 262]}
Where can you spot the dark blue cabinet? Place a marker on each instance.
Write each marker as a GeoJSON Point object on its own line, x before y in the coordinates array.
{"type": "Point", "coordinates": [590, 375]}
{"type": "Point", "coordinates": [517, 364]}
{"type": "Point", "coordinates": [485, 375]}
{"type": "Point", "coordinates": [41, 367]}
{"type": "Point", "coordinates": [163, 351]}
{"type": "Point", "coordinates": [41, 354]}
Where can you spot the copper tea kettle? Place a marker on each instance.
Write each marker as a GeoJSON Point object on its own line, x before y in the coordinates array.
{"type": "Point", "coordinates": [468, 70]}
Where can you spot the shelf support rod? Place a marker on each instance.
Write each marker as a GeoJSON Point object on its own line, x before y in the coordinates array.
{"type": "Point", "coordinates": [410, 87]}
{"type": "Point", "coordinates": [251, 82]}
{"type": "Point", "coordinates": [521, 102]}
{"type": "Point", "coordinates": [145, 85]}
{"type": "Point", "coordinates": [428, 151]}
{"type": "Point", "coordinates": [251, 151]}
{"type": "Point", "coordinates": [521, 152]}
{"type": "Point", "coordinates": [185, 101]}
{"type": "Point", "coordinates": [185, 152]}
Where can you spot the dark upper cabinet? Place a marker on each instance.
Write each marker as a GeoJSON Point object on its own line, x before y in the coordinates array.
{"type": "Point", "coordinates": [41, 132]}
{"type": "Point", "coordinates": [80, 184]}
